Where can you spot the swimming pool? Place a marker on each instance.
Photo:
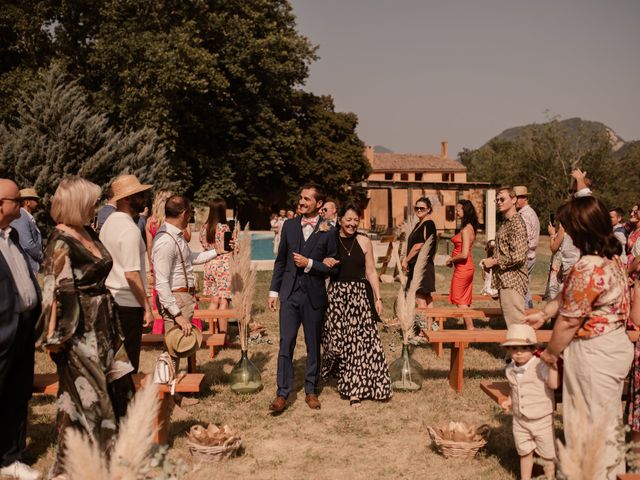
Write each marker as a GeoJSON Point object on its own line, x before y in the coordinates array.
{"type": "Point", "coordinates": [262, 246]}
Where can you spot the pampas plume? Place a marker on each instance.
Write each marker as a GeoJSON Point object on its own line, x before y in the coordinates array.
{"type": "Point", "coordinates": [581, 458]}
{"type": "Point", "coordinates": [243, 282]}
{"type": "Point", "coordinates": [131, 453]}
{"type": "Point", "coordinates": [406, 300]}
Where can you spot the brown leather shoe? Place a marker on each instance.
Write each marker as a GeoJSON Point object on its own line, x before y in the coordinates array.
{"type": "Point", "coordinates": [278, 405]}
{"type": "Point", "coordinates": [312, 401]}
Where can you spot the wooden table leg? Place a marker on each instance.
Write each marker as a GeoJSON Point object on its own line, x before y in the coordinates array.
{"type": "Point", "coordinates": [192, 365]}
{"type": "Point", "coordinates": [457, 363]}
{"type": "Point", "coordinates": [438, 347]}
{"type": "Point", "coordinates": [161, 424]}
{"type": "Point", "coordinates": [213, 323]}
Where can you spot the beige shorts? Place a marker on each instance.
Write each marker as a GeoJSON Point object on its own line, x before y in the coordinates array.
{"type": "Point", "coordinates": [530, 435]}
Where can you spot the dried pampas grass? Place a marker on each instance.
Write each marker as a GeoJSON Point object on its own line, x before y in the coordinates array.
{"type": "Point", "coordinates": [243, 282]}
{"type": "Point", "coordinates": [406, 300]}
{"type": "Point", "coordinates": [131, 452]}
{"type": "Point", "coordinates": [586, 436]}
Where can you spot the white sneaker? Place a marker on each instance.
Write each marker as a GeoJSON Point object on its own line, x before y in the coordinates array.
{"type": "Point", "coordinates": [20, 471]}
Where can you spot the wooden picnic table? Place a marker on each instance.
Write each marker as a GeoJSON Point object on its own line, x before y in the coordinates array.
{"type": "Point", "coordinates": [460, 340]}
{"type": "Point", "coordinates": [47, 384]}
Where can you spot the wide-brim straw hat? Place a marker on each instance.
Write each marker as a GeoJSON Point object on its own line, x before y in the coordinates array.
{"type": "Point", "coordinates": [27, 193]}
{"type": "Point", "coordinates": [180, 345]}
{"type": "Point", "coordinates": [127, 185]}
{"type": "Point", "coordinates": [520, 335]}
{"type": "Point", "coordinates": [521, 191]}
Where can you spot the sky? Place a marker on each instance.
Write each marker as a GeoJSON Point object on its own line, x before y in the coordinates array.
{"type": "Point", "coordinates": [417, 72]}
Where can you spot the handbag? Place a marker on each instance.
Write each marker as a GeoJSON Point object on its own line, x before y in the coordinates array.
{"type": "Point", "coordinates": [164, 371]}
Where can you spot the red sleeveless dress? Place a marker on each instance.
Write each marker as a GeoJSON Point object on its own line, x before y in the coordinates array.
{"type": "Point", "coordinates": [461, 291]}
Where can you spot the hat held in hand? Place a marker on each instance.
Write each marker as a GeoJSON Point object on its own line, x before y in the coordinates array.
{"type": "Point", "coordinates": [520, 335]}
{"type": "Point", "coordinates": [180, 345]}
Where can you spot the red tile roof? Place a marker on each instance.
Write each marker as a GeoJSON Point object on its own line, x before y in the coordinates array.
{"type": "Point", "coordinates": [414, 162]}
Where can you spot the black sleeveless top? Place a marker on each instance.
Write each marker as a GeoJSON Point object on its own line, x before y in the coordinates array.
{"type": "Point", "coordinates": [352, 263]}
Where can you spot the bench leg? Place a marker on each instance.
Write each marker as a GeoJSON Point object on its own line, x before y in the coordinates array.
{"type": "Point", "coordinates": [438, 347]}
{"type": "Point", "coordinates": [213, 327]}
{"type": "Point", "coordinates": [457, 363]}
{"type": "Point", "coordinates": [161, 424]}
{"type": "Point", "coordinates": [192, 364]}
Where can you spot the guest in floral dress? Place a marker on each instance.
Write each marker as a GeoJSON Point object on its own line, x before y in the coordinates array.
{"type": "Point", "coordinates": [79, 325]}
{"type": "Point", "coordinates": [217, 271]}
{"type": "Point", "coordinates": [592, 311]}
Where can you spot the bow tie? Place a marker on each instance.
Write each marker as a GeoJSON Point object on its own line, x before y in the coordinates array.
{"type": "Point", "coordinates": [309, 221]}
{"type": "Point", "coordinates": [518, 370]}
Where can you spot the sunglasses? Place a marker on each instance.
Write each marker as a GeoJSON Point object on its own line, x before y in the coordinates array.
{"type": "Point", "coordinates": [501, 199]}
{"type": "Point", "coordinates": [323, 210]}
{"type": "Point", "coordinates": [419, 209]}
{"type": "Point", "coordinates": [16, 200]}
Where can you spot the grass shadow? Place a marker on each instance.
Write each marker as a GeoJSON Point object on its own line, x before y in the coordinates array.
{"type": "Point", "coordinates": [214, 374]}
{"type": "Point", "coordinates": [261, 359]}
{"type": "Point", "coordinates": [42, 436]}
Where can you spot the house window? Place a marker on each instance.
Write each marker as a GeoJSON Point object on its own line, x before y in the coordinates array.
{"type": "Point", "coordinates": [418, 177]}
{"type": "Point", "coordinates": [450, 213]}
{"type": "Point", "coordinates": [404, 177]}
{"type": "Point", "coordinates": [388, 175]}
{"type": "Point", "coordinates": [452, 177]}
{"type": "Point", "coordinates": [445, 177]}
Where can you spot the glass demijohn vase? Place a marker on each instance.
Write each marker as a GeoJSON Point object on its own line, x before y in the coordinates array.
{"type": "Point", "coordinates": [245, 377]}
{"type": "Point", "coordinates": [406, 374]}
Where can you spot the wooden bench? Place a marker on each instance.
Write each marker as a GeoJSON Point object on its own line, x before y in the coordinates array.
{"type": "Point", "coordinates": [628, 476]}
{"type": "Point", "coordinates": [47, 384]}
{"type": "Point", "coordinates": [440, 314]}
{"type": "Point", "coordinates": [476, 297]}
{"type": "Point", "coordinates": [215, 339]}
{"type": "Point", "coordinates": [461, 339]}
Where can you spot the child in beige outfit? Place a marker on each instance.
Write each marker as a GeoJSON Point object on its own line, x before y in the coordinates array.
{"type": "Point", "coordinates": [532, 383]}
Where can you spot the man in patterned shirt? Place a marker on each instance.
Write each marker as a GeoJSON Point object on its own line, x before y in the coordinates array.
{"type": "Point", "coordinates": [509, 262]}
{"type": "Point", "coordinates": [532, 223]}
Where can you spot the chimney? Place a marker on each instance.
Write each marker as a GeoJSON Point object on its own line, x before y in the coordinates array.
{"type": "Point", "coordinates": [444, 149]}
{"type": "Point", "coordinates": [368, 152]}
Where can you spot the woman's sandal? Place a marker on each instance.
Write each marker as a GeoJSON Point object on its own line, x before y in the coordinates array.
{"type": "Point", "coordinates": [355, 403]}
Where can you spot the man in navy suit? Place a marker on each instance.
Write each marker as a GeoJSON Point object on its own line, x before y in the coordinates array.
{"type": "Point", "coordinates": [19, 310]}
{"type": "Point", "coordinates": [299, 282]}
{"type": "Point", "coordinates": [30, 237]}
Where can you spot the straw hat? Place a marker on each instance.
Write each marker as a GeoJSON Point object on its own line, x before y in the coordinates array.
{"type": "Point", "coordinates": [521, 191]}
{"type": "Point", "coordinates": [520, 335]}
{"type": "Point", "coordinates": [27, 193]}
{"type": "Point", "coordinates": [127, 185]}
{"type": "Point", "coordinates": [179, 345]}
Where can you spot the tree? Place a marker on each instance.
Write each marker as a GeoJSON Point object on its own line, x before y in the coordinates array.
{"type": "Point", "coordinates": [542, 158]}
{"type": "Point", "coordinates": [58, 134]}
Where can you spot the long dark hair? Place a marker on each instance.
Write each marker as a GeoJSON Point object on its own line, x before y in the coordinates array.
{"type": "Point", "coordinates": [587, 221]}
{"type": "Point", "coordinates": [469, 215]}
{"type": "Point", "coordinates": [217, 214]}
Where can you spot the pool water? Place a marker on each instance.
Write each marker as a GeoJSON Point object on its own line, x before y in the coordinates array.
{"type": "Point", "coordinates": [262, 246]}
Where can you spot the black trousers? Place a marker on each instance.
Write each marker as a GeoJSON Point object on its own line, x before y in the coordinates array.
{"type": "Point", "coordinates": [132, 319]}
{"type": "Point", "coordinates": [296, 310]}
{"type": "Point", "coordinates": [16, 385]}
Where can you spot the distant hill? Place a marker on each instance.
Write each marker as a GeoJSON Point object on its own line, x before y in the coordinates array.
{"type": "Point", "coordinates": [579, 126]}
{"type": "Point", "coordinates": [381, 149]}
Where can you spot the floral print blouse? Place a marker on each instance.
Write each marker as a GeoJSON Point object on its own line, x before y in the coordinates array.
{"type": "Point", "coordinates": [596, 290]}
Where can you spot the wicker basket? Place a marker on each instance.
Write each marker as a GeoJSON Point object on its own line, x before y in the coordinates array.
{"type": "Point", "coordinates": [215, 453]}
{"type": "Point", "coordinates": [459, 448]}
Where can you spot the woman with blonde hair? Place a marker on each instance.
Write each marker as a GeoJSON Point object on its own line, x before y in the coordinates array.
{"type": "Point", "coordinates": [79, 325]}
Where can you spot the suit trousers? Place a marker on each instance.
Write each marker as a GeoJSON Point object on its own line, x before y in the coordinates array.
{"type": "Point", "coordinates": [16, 385]}
{"type": "Point", "coordinates": [296, 310]}
{"type": "Point", "coordinates": [132, 319]}
{"type": "Point", "coordinates": [512, 304]}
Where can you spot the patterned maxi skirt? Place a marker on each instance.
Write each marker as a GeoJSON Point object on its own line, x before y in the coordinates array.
{"type": "Point", "coordinates": [352, 350]}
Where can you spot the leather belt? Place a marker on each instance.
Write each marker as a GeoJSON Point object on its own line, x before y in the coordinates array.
{"type": "Point", "coordinates": [190, 290]}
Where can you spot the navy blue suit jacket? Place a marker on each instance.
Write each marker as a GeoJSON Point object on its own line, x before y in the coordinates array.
{"type": "Point", "coordinates": [320, 245]}
{"type": "Point", "coordinates": [8, 323]}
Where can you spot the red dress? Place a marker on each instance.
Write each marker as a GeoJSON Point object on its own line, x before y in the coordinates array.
{"type": "Point", "coordinates": [461, 291]}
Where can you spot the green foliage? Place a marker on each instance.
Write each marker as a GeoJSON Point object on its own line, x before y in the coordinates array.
{"type": "Point", "coordinates": [542, 158]}
{"type": "Point", "coordinates": [57, 134]}
{"type": "Point", "coordinates": [218, 80]}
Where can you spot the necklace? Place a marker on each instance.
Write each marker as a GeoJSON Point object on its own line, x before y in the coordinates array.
{"type": "Point", "coordinates": [348, 250]}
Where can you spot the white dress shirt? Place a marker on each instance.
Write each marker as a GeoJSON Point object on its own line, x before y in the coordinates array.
{"type": "Point", "coordinates": [26, 295]}
{"type": "Point", "coordinates": [167, 264]}
{"type": "Point", "coordinates": [532, 223]}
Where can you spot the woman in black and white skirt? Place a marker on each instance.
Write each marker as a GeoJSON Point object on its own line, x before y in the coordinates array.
{"type": "Point", "coordinates": [352, 348]}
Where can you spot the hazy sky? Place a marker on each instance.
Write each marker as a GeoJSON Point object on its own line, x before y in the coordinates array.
{"type": "Point", "coordinates": [418, 71]}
